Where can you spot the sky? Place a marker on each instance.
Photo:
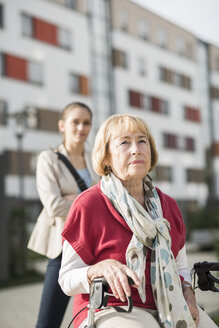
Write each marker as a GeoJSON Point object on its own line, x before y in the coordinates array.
{"type": "Point", "coordinates": [201, 17]}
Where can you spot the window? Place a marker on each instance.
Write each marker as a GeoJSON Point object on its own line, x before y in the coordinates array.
{"type": "Point", "coordinates": [180, 47]}
{"type": "Point", "coordinates": [195, 175]}
{"type": "Point", "coordinates": [64, 38]}
{"type": "Point", "coordinates": [19, 68]}
{"type": "Point", "coordinates": [47, 120]}
{"type": "Point", "coordinates": [189, 50]}
{"type": "Point", "coordinates": [27, 26]}
{"type": "Point", "coordinates": [162, 38]}
{"type": "Point", "coordinates": [119, 58]}
{"type": "Point", "coordinates": [150, 103]}
{"type": "Point", "coordinates": [3, 112]}
{"type": "Point", "coordinates": [74, 83]}
{"type": "Point", "coordinates": [135, 99]}
{"type": "Point", "coordinates": [214, 92]}
{"type": "Point", "coordinates": [141, 66]}
{"type": "Point", "coordinates": [192, 114]}
{"type": "Point", "coordinates": [164, 107]}
{"type": "Point", "coordinates": [173, 141]}
{"type": "Point", "coordinates": [147, 102]}
{"type": "Point", "coordinates": [166, 75]}
{"type": "Point", "coordinates": [189, 144]}
{"type": "Point", "coordinates": [216, 148]}
{"type": "Point", "coordinates": [163, 173]}
{"type": "Point", "coordinates": [79, 84]}
{"type": "Point", "coordinates": [14, 67]}
{"type": "Point", "coordinates": [186, 82]}
{"type": "Point", "coordinates": [41, 30]}
{"type": "Point", "coordinates": [35, 73]}
{"type": "Point", "coordinates": [1, 16]}
{"type": "Point", "coordinates": [217, 63]}
{"type": "Point", "coordinates": [124, 20]}
{"type": "Point", "coordinates": [12, 166]}
{"type": "Point", "coordinates": [170, 141]}
{"type": "Point", "coordinates": [44, 31]}
{"type": "Point", "coordinates": [175, 78]}
{"type": "Point", "coordinates": [143, 29]}
{"type": "Point", "coordinates": [70, 4]}
{"type": "Point", "coordinates": [155, 104]}
{"type": "Point", "coordinates": [2, 64]}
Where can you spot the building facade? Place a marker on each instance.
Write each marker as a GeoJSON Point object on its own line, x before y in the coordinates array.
{"type": "Point", "coordinates": [116, 57]}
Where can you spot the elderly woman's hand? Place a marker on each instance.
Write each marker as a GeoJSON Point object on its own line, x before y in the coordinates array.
{"type": "Point", "coordinates": [116, 275]}
{"type": "Point", "coordinates": [191, 302]}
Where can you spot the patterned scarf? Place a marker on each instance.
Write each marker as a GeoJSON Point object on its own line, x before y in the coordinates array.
{"type": "Point", "coordinates": [151, 230]}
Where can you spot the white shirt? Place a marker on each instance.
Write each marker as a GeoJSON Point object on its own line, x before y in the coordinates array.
{"type": "Point", "coordinates": [73, 272]}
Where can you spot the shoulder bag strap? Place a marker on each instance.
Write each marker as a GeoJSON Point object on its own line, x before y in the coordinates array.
{"type": "Point", "coordinates": [80, 182]}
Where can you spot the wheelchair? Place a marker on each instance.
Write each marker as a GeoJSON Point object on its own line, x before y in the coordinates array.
{"type": "Point", "coordinates": [99, 290]}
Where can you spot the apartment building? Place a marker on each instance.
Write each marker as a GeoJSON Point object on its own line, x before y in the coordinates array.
{"type": "Point", "coordinates": [118, 58]}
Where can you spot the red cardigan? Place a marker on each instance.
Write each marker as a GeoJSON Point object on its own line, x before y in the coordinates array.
{"type": "Point", "coordinates": [97, 232]}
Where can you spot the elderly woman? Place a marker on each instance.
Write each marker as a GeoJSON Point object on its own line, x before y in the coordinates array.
{"type": "Point", "coordinates": [125, 227]}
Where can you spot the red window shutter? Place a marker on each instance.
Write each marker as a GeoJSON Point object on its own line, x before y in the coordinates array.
{"type": "Point", "coordinates": [170, 141]}
{"type": "Point", "coordinates": [197, 115]}
{"type": "Point", "coordinates": [192, 114]}
{"type": "Point", "coordinates": [135, 99]}
{"type": "Point", "coordinates": [173, 141]}
{"type": "Point", "coordinates": [16, 67]}
{"type": "Point", "coordinates": [189, 144]}
{"type": "Point", "coordinates": [156, 105]}
{"type": "Point", "coordinates": [216, 149]}
{"type": "Point", "coordinates": [84, 85]}
{"type": "Point", "coordinates": [45, 32]}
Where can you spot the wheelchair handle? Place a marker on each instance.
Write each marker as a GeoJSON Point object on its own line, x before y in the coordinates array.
{"type": "Point", "coordinates": [99, 298]}
{"type": "Point", "coordinates": [206, 280]}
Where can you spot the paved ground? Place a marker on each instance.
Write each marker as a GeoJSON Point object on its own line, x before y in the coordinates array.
{"type": "Point", "coordinates": [19, 306]}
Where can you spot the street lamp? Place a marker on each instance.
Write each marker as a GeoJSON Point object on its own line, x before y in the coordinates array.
{"type": "Point", "coordinates": [23, 119]}
{"type": "Point", "coordinates": [20, 122]}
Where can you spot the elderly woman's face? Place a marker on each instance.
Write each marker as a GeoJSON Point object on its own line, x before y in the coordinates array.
{"type": "Point", "coordinates": [130, 155]}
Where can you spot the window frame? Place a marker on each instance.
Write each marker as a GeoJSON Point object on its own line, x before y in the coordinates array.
{"type": "Point", "coordinates": [3, 112]}
{"type": "Point", "coordinates": [27, 24]}
{"type": "Point", "coordinates": [1, 16]}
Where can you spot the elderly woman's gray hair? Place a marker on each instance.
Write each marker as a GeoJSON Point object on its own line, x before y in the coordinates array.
{"type": "Point", "coordinates": [113, 127]}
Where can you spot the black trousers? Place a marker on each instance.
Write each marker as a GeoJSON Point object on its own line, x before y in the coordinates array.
{"type": "Point", "coordinates": [53, 302]}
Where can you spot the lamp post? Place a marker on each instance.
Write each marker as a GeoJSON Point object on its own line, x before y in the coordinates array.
{"type": "Point", "coordinates": [22, 119]}
{"type": "Point", "coordinates": [19, 135]}
{"type": "Point", "coordinates": [20, 123]}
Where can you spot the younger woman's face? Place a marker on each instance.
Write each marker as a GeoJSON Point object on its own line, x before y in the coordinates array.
{"type": "Point", "coordinates": [76, 126]}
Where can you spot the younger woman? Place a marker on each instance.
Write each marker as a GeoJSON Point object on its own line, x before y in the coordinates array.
{"type": "Point", "coordinates": [58, 189]}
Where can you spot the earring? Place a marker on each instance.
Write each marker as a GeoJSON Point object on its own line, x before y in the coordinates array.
{"type": "Point", "coordinates": [107, 169]}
